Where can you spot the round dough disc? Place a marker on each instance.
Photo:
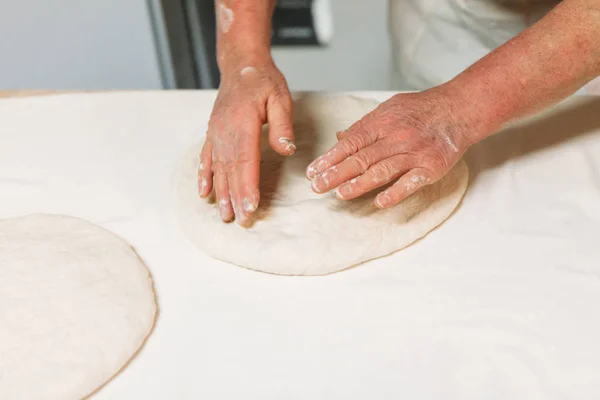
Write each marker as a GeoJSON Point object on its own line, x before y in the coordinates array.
{"type": "Point", "coordinates": [76, 303]}
{"type": "Point", "coordinates": [298, 232]}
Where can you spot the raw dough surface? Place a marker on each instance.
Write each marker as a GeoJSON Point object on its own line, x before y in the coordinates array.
{"type": "Point", "coordinates": [76, 303]}
{"type": "Point", "coordinates": [298, 232]}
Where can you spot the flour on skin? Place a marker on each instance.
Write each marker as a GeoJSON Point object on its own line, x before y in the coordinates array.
{"type": "Point", "coordinates": [247, 70]}
{"type": "Point", "coordinates": [250, 203]}
{"type": "Point", "coordinates": [325, 178]}
{"type": "Point", "coordinates": [203, 184]}
{"type": "Point", "coordinates": [225, 17]}
{"type": "Point", "coordinates": [331, 170]}
{"type": "Point", "coordinates": [382, 199]}
{"type": "Point", "coordinates": [449, 142]}
{"type": "Point", "coordinates": [289, 144]}
{"type": "Point", "coordinates": [415, 182]}
{"type": "Point", "coordinates": [223, 204]}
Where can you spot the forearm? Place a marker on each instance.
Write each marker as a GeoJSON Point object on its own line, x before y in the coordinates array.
{"type": "Point", "coordinates": [536, 69]}
{"type": "Point", "coordinates": [243, 32]}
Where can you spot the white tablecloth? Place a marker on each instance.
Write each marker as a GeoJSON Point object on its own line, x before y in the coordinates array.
{"type": "Point", "coordinates": [500, 302]}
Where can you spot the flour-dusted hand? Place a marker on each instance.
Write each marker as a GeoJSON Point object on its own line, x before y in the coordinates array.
{"type": "Point", "coordinates": [230, 159]}
{"type": "Point", "coordinates": [252, 92]}
{"type": "Point", "coordinates": [413, 138]}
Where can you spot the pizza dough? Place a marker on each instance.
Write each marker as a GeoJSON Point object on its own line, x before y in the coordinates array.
{"type": "Point", "coordinates": [76, 303]}
{"type": "Point", "coordinates": [298, 232]}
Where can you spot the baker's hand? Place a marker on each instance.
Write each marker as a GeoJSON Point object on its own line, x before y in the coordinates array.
{"type": "Point", "coordinates": [230, 159]}
{"type": "Point", "coordinates": [413, 138]}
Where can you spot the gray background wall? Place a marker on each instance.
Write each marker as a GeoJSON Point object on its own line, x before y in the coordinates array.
{"type": "Point", "coordinates": [358, 57]}
{"type": "Point", "coordinates": [77, 44]}
{"type": "Point", "coordinates": [108, 44]}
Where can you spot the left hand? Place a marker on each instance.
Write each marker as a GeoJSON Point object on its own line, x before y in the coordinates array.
{"type": "Point", "coordinates": [414, 138]}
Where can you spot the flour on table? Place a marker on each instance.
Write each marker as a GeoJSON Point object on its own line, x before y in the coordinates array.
{"type": "Point", "coordinates": [76, 303]}
{"type": "Point", "coordinates": [298, 232]}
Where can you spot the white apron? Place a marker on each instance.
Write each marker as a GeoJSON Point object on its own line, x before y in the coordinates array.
{"type": "Point", "coordinates": [435, 40]}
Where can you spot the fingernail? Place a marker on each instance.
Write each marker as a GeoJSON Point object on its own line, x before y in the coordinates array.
{"type": "Point", "coordinates": [345, 190]}
{"type": "Point", "coordinates": [223, 209]}
{"type": "Point", "coordinates": [382, 200]}
{"type": "Point", "coordinates": [316, 185]}
{"type": "Point", "coordinates": [338, 194]}
{"type": "Point", "coordinates": [289, 144]}
{"type": "Point", "coordinates": [249, 205]}
{"type": "Point", "coordinates": [322, 181]}
{"type": "Point", "coordinates": [311, 172]}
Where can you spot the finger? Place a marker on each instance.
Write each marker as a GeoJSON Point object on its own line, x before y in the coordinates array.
{"type": "Point", "coordinates": [407, 185]}
{"type": "Point", "coordinates": [222, 193]}
{"type": "Point", "coordinates": [378, 175]}
{"type": "Point", "coordinates": [244, 172]}
{"type": "Point", "coordinates": [244, 196]}
{"type": "Point", "coordinates": [357, 139]}
{"type": "Point", "coordinates": [205, 174]}
{"type": "Point", "coordinates": [355, 165]}
{"type": "Point", "coordinates": [250, 191]}
{"type": "Point", "coordinates": [279, 117]}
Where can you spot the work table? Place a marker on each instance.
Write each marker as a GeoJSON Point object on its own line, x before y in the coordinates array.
{"type": "Point", "coordinates": [502, 295]}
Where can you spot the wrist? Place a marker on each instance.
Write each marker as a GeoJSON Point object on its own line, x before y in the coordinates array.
{"type": "Point", "coordinates": [475, 106]}
{"type": "Point", "coordinates": [233, 60]}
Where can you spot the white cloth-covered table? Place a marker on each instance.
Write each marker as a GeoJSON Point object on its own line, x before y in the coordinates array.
{"type": "Point", "coordinates": [500, 302]}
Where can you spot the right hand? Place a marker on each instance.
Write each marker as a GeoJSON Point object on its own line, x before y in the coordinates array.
{"type": "Point", "coordinates": [230, 160]}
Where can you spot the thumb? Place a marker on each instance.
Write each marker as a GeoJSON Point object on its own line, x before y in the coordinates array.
{"type": "Point", "coordinates": [280, 119]}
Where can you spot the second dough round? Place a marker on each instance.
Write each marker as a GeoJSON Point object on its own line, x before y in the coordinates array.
{"type": "Point", "coordinates": [76, 303]}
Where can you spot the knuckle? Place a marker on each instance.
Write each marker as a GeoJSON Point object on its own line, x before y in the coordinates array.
{"type": "Point", "coordinates": [230, 166]}
{"type": "Point", "coordinates": [285, 100]}
{"type": "Point", "coordinates": [374, 126]}
{"type": "Point", "coordinates": [348, 146]}
{"type": "Point", "coordinates": [437, 162]}
{"type": "Point", "coordinates": [244, 155]}
{"type": "Point", "coordinates": [217, 167]}
{"type": "Point", "coordinates": [385, 171]}
{"type": "Point", "coordinates": [360, 163]}
{"type": "Point", "coordinates": [354, 142]}
{"type": "Point", "coordinates": [397, 141]}
{"type": "Point", "coordinates": [246, 163]}
{"type": "Point", "coordinates": [281, 93]}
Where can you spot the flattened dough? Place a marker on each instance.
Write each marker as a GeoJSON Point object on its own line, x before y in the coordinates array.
{"type": "Point", "coordinates": [298, 232]}
{"type": "Point", "coordinates": [76, 303]}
